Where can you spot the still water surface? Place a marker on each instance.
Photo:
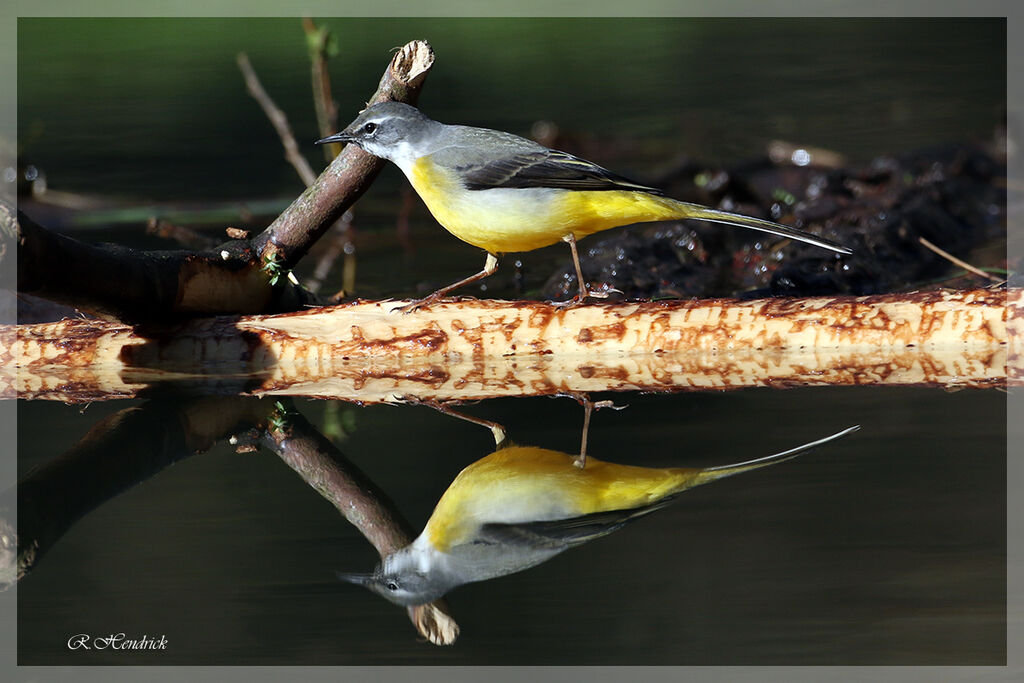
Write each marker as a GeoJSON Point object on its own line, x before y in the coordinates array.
{"type": "Point", "coordinates": [887, 547]}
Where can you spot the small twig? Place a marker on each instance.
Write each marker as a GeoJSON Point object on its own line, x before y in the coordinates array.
{"type": "Point", "coordinates": [186, 237]}
{"type": "Point", "coordinates": [319, 42]}
{"type": "Point", "coordinates": [998, 283]}
{"type": "Point", "coordinates": [278, 119]}
{"type": "Point", "coordinates": [954, 260]}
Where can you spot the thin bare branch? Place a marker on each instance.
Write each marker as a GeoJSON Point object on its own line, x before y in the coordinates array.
{"type": "Point", "coordinates": [186, 237]}
{"type": "Point", "coordinates": [318, 39]}
{"type": "Point", "coordinates": [277, 119]}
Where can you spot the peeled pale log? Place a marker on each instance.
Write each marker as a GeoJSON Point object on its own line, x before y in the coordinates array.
{"type": "Point", "coordinates": [366, 351]}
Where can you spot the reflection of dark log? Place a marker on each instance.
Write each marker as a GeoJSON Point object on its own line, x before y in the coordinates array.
{"type": "Point", "coordinates": [119, 452]}
{"type": "Point", "coordinates": [324, 468]}
{"type": "Point", "coordinates": [483, 349]}
{"type": "Point", "coordinates": [237, 277]}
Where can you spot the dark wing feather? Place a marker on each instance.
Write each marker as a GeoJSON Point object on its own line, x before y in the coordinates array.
{"type": "Point", "coordinates": [545, 168]}
{"type": "Point", "coordinates": [565, 532]}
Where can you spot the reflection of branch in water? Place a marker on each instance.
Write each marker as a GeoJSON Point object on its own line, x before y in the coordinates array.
{"type": "Point", "coordinates": [135, 444]}
{"type": "Point", "coordinates": [323, 467]}
{"type": "Point", "coordinates": [522, 505]}
{"type": "Point", "coordinates": [120, 451]}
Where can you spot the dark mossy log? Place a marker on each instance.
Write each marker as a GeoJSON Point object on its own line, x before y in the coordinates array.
{"type": "Point", "coordinates": [465, 350]}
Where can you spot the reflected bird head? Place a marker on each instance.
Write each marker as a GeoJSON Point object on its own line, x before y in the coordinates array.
{"type": "Point", "coordinates": [397, 580]}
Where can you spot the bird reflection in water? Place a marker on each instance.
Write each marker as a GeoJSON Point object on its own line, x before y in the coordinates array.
{"type": "Point", "coordinates": [523, 505]}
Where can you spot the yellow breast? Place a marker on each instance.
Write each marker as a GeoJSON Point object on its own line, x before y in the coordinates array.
{"type": "Point", "coordinates": [502, 220]}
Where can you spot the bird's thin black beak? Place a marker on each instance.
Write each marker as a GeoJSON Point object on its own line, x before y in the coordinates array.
{"type": "Point", "coordinates": [358, 579]}
{"type": "Point", "coordinates": [337, 137]}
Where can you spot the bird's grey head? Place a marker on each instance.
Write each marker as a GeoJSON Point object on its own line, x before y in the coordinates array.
{"type": "Point", "coordinates": [390, 130]}
{"type": "Point", "coordinates": [399, 580]}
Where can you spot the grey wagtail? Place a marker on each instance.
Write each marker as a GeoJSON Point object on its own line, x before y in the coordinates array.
{"type": "Point", "coordinates": [504, 193]}
{"type": "Point", "coordinates": [523, 505]}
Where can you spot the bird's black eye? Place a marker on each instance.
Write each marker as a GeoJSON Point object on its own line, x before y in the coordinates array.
{"type": "Point", "coordinates": [369, 128]}
{"type": "Point", "coordinates": [391, 586]}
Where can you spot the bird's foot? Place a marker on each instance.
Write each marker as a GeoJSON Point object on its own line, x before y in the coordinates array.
{"type": "Point", "coordinates": [416, 305]}
{"type": "Point", "coordinates": [569, 303]}
{"type": "Point", "coordinates": [581, 298]}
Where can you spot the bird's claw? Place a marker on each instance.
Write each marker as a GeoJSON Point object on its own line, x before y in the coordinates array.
{"type": "Point", "coordinates": [413, 306]}
{"type": "Point", "coordinates": [581, 298]}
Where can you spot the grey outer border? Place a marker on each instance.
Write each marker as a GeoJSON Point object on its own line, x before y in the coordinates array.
{"type": "Point", "coordinates": [11, 9]}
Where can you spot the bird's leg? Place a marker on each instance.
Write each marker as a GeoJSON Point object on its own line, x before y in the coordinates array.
{"type": "Point", "coordinates": [581, 459]}
{"type": "Point", "coordinates": [588, 407]}
{"type": "Point", "coordinates": [497, 430]}
{"type": "Point", "coordinates": [571, 239]}
{"type": "Point", "coordinates": [585, 291]}
{"type": "Point", "coordinates": [490, 266]}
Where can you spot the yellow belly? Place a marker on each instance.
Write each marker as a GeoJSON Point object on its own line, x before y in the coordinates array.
{"type": "Point", "coordinates": [502, 220]}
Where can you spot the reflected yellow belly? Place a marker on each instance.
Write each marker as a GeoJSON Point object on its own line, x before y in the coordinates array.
{"type": "Point", "coordinates": [521, 484]}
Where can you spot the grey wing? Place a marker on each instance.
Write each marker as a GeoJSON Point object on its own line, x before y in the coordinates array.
{"type": "Point", "coordinates": [489, 159]}
{"type": "Point", "coordinates": [546, 168]}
